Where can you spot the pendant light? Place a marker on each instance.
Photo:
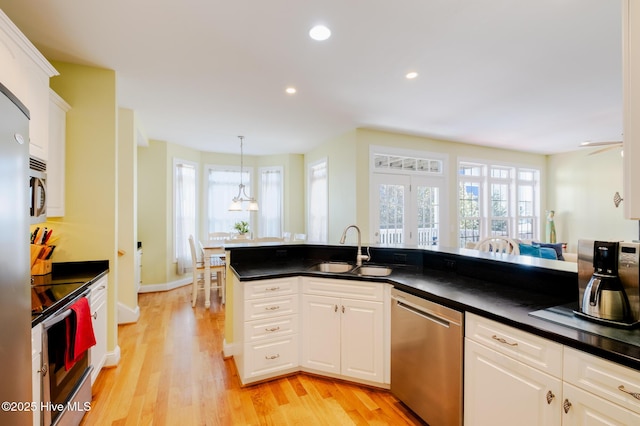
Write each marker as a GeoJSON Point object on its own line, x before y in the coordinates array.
{"type": "Point", "coordinates": [236, 203]}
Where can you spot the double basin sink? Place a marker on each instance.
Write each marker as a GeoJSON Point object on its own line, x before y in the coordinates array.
{"type": "Point", "coordinates": [350, 268]}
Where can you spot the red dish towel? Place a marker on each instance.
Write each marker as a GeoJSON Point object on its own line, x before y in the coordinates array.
{"type": "Point", "coordinates": [80, 335]}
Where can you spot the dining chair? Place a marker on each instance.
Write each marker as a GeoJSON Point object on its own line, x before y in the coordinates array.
{"type": "Point", "coordinates": [215, 236]}
{"type": "Point", "coordinates": [497, 244]}
{"type": "Point", "coordinates": [286, 236]}
{"type": "Point", "coordinates": [299, 237]}
{"type": "Point", "coordinates": [205, 268]}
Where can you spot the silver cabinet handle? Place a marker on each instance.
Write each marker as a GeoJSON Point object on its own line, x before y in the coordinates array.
{"type": "Point", "coordinates": [636, 395]}
{"type": "Point", "coordinates": [95, 315]}
{"type": "Point", "coordinates": [272, 289]}
{"type": "Point", "coordinates": [272, 356]}
{"type": "Point", "coordinates": [550, 397]}
{"type": "Point", "coordinates": [343, 309]}
{"type": "Point", "coordinates": [566, 406]}
{"type": "Point", "coordinates": [271, 308]}
{"type": "Point", "coordinates": [501, 340]}
{"type": "Point", "coordinates": [272, 329]}
{"type": "Point", "coordinates": [43, 370]}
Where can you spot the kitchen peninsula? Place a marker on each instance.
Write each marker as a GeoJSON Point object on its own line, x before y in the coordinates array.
{"type": "Point", "coordinates": [496, 293]}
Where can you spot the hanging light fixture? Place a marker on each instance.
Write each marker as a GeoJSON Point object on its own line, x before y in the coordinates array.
{"type": "Point", "coordinates": [236, 203]}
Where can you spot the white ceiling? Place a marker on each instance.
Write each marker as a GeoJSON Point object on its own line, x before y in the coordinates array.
{"type": "Point", "coordinates": [537, 75]}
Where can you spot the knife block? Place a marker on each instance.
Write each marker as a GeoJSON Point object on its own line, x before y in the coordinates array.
{"type": "Point", "coordinates": [41, 267]}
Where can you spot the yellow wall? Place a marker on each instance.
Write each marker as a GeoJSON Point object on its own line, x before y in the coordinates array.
{"type": "Point", "coordinates": [88, 231]}
{"type": "Point", "coordinates": [580, 191]}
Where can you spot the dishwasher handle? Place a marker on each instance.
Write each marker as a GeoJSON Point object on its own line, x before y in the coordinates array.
{"type": "Point", "coordinates": [414, 309]}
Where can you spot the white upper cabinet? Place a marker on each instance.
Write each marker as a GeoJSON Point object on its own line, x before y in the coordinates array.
{"type": "Point", "coordinates": [631, 108]}
{"type": "Point", "coordinates": [55, 165]}
{"type": "Point", "coordinates": [25, 72]}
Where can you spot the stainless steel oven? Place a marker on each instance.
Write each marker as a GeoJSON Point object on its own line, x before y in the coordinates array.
{"type": "Point", "coordinates": [66, 394]}
{"type": "Point", "coordinates": [37, 190]}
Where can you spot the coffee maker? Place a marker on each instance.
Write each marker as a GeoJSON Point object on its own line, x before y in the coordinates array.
{"type": "Point", "coordinates": [609, 282]}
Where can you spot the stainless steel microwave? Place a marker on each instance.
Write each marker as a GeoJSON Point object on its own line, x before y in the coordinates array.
{"type": "Point", "coordinates": [37, 190]}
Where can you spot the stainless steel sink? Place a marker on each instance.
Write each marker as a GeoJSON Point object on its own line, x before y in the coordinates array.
{"type": "Point", "coordinates": [372, 271]}
{"type": "Point", "coordinates": [333, 267]}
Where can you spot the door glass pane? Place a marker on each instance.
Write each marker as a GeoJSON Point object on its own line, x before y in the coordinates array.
{"type": "Point", "coordinates": [428, 203]}
{"type": "Point", "coordinates": [391, 214]}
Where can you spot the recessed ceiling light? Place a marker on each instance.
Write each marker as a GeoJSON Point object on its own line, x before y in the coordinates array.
{"type": "Point", "coordinates": [412, 75]}
{"type": "Point", "coordinates": [320, 33]}
{"type": "Point", "coordinates": [291, 90]}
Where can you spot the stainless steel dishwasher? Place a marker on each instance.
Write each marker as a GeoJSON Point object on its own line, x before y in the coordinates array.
{"type": "Point", "coordinates": [426, 358]}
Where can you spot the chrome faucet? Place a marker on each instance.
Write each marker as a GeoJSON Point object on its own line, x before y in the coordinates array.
{"type": "Point", "coordinates": [359, 257]}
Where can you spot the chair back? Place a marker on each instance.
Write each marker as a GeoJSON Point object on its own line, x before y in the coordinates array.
{"type": "Point", "coordinates": [299, 237]}
{"type": "Point", "coordinates": [214, 236]}
{"type": "Point", "coordinates": [497, 244]}
{"type": "Point", "coordinates": [269, 239]}
{"type": "Point", "coordinates": [194, 253]}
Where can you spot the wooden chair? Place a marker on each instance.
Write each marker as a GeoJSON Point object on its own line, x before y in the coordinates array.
{"type": "Point", "coordinates": [204, 268]}
{"type": "Point", "coordinates": [219, 236]}
{"type": "Point", "coordinates": [498, 244]}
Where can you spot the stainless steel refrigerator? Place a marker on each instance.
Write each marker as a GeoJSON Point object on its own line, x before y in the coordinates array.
{"type": "Point", "coordinates": [15, 301]}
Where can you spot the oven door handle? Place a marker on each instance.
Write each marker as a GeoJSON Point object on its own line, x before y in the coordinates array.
{"type": "Point", "coordinates": [63, 312]}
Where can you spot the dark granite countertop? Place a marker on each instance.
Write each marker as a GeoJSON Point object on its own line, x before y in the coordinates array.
{"type": "Point", "coordinates": [67, 280]}
{"type": "Point", "coordinates": [503, 291]}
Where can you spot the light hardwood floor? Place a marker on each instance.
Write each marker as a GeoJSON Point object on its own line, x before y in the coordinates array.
{"type": "Point", "coordinates": [172, 373]}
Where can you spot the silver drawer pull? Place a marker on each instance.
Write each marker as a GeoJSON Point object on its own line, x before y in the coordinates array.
{"type": "Point", "coordinates": [272, 308]}
{"type": "Point", "coordinates": [501, 340]}
{"type": "Point", "coordinates": [272, 329]}
{"type": "Point", "coordinates": [272, 356]}
{"type": "Point", "coordinates": [95, 315]}
{"type": "Point", "coordinates": [636, 395]}
{"type": "Point", "coordinates": [272, 289]}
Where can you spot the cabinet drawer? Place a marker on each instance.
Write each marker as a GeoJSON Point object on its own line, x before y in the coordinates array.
{"type": "Point", "coordinates": [525, 347]}
{"type": "Point", "coordinates": [270, 307]}
{"type": "Point", "coordinates": [361, 290]}
{"type": "Point", "coordinates": [603, 378]}
{"type": "Point", "coordinates": [268, 288]}
{"type": "Point", "coordinates": [271, 356]}
{"type": "Point", "coordinates": [270, 328]}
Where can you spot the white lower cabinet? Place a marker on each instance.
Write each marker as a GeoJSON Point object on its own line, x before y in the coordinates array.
{"type": "Point", "coordinates": [341, 335]}
{"type": "Point", "coordinates": [513, 378]}
{"type": "Point", "coordinates": [266, 323]}
{"type": "Point", "coordinates": [98, 306]}
{"type": "Point", "coordinates": [336, 327]}
{"type": "Point", "coordinates": [36, 372]}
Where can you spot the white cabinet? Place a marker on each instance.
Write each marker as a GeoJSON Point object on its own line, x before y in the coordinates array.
{"type": "Point", "coordinates": [631, 105]}
{"type": "Point", "coordinates": [344, 329]}
{"type": "Point", "coordinates": [98, 305]}
{"type": "Point", "coordinates": [25, 72]}
{"type": "Point", "coordinates": [599, 392]}
{"type": "Point", "coordinates": [56, 164]}
{"type": "Point", "coordinates": [511, 377]}
{"type": "Point", "coordinates": [266, 325]}
{"type": "Point", "coordinates": [36, 368]}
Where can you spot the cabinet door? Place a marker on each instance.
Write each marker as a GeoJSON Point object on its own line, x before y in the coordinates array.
{"type": "Point", "coordinates": [499, 390]}
{"type": "Point", "coordinates": [362, 339]}
{"type": "Point", "coordinates": [56, 165]}
{"type": "Point", "coordinates": [583, 408]}
{"type": "Point", "coordinates": [98, 353]}
{"type": "Point", "coordinates": [321, 333]}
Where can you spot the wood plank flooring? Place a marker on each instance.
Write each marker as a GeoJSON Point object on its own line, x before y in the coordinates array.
{"type": "Point", "coordinates": [172, 372]}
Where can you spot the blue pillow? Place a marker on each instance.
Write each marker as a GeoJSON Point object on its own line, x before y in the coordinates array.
{"type": "Point", "coordinates": [529, 250]}
{"type": "Point", "coordinates": [548, 253]}
{"type": "Point", "coordinates": [556, 246]}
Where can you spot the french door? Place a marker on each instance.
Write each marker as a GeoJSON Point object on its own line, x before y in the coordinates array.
{"type": "Point", "coordinates": [408, 209]}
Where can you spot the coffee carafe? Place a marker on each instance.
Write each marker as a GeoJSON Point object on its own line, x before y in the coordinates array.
{"type": "Point", "coordinates": [609, 282]}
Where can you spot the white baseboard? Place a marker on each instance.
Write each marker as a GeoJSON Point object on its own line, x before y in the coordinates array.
{"type": "Point", "coordinates": [150, 288]}
{"type": "Point", "coordinates": [126, 315]}
{"type": "Point", "coordinates": [229, 349]}
{"type": "Point", "coordinates": [113, 357]}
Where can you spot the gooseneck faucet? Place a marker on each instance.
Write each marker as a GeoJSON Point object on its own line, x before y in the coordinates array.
{"type": "Point", "coordinates": [359, 257]}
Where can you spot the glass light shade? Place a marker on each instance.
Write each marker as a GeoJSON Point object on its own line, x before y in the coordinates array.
{"type": "Point", "coordinates": [253, 206]}
{"type": "Point", "coordinates": [235, 206]}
